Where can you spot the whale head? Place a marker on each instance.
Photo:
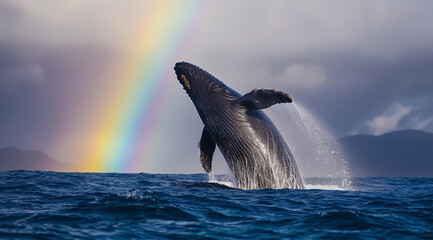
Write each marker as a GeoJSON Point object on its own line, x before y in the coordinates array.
{"type": "Point", "coordinates": [203, 88]}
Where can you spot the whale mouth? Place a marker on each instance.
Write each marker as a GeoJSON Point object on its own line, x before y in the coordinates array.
{"type": "Point", "coordinates": [196, 81]}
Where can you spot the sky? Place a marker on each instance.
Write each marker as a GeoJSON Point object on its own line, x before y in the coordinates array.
{"type": "Point", "coordinates": [357, 66]}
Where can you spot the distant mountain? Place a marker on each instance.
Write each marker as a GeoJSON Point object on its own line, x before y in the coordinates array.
{"type": "Point", "coordinates": [15, 159]}
{"type": "Point", "coordinates": [406, 153]}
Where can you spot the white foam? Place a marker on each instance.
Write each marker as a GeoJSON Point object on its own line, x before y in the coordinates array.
{"type": "Point", "coordinates": [134, 194]}
{"type": "Point", "coordinates": [325, 187]}
{"type": "Point", "coordinates": [228, 184]}
{"type": "Point", "coordinates": [226, 180]}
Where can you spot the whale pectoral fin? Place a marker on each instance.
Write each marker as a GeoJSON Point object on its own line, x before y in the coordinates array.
{"type": "Point", "coordinates": [207, 148]}
{"type": "Point", "coordinates": [264, 98]}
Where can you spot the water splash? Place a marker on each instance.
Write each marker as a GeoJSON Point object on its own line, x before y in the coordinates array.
{"type": "Point", "coordinates": [316, 151]}
{"type": "Point", "coordinates": [226, 180]}
{"type": "Point", "coordinates": [325, 187]}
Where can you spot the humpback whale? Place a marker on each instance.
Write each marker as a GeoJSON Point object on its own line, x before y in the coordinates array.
{"type": "Point", "coordinates": [252, 146]}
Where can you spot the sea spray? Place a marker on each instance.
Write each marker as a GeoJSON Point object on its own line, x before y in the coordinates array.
{"type": "Point", "coordinates": [226, 179]}
{"type": "Point", "coordinates": [316, 151]}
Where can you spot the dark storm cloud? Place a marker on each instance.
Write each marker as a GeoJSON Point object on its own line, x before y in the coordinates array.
{"type": "Point", "coordinates": [358, 88]}
{"type": "Point", "coordinates": [10, 15]}
{"type": "Point", "coordinates": [353, 64]}
{"type": "Point", "coordinates": [17, 66]}
{"type": "Point", "coordinates": [41, 88]}
{"type": "Point", "coordinates": [348, 62]}
{"type": "Point", "coordinates": [353, 90]}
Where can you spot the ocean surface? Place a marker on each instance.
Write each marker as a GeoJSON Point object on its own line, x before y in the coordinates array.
{"type": "Point", "coordinates": [53, 205]}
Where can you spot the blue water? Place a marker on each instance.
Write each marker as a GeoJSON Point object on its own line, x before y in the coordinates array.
{"type": "Point", "coordinates": [51, 205]}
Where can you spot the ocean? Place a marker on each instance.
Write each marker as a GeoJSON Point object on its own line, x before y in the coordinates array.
{"type": "Point", "coordinates": [55, 205]}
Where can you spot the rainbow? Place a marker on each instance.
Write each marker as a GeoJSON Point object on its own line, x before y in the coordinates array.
{"type": "Point", "coordinates": [123, 138]}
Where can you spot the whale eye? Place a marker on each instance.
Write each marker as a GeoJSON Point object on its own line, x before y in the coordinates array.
{"type": "Point", "coordinates": [185, 81]}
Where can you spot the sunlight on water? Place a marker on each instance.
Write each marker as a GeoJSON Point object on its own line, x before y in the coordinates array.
{"type": "Point", "coordinates": [316, 151]}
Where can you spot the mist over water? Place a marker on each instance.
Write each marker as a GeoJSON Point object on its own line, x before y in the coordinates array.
{"type": "Point", "coordinates": [316, 151]}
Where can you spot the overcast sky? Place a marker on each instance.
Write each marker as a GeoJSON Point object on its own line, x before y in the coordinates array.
{"type": "Point", "coordinates": [358, 66]}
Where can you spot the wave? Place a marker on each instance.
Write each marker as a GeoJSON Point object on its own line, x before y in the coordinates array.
{"type": "Point", "coordinates": [209, 184]}
{"type": "Point", "coordinates": [223, 183]}
{"type": "Point", "coordinates": [231, 184]}
{"type": "Point", "coordinates": [151, 206]}
{"type": "Point", "coordinates": [325, 187]}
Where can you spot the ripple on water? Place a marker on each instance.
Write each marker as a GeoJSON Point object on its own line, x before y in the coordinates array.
{"type": "Point", "coordinates": [119, 206]}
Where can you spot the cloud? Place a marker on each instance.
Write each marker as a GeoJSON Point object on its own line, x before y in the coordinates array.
{"type": "Point", "coordinates": [30, 72]}
{"type": "Point", "coordinates": [10, 16]}
{"type": "Point", "coordinates": [421, 123]}
{"type": "Point", "coordinates": [401, 116]}
{"type": "Point", "coordinates": [364, 56]}
{"type": "Point", "coordinates": [18, 66]}
{"type": "Point", "coordinates": [349, 63]}
{"type": "Point", "coordinates": [389, 121]}
{"type": "Point", "coordinates": [76, 23]}
{"type": "Point", "coordinates": [384, 29]}
{"type": "Point", "coordinates": [301, 75]}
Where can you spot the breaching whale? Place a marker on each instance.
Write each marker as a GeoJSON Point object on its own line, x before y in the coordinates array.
{"type": "Point", "coordinates": [252, 146]}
